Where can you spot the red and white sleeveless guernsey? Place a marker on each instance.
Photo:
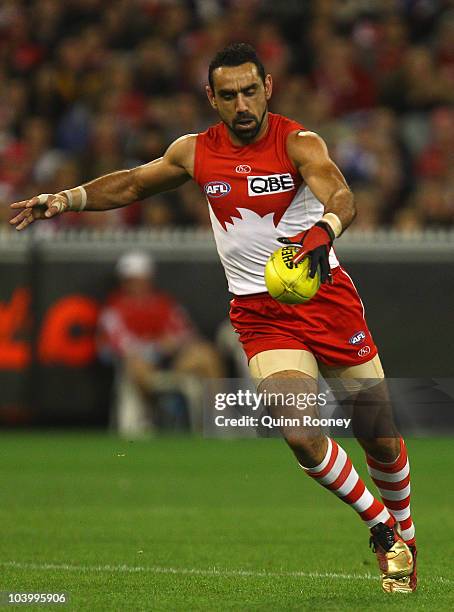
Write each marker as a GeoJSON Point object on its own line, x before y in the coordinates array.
{"type": "Point", "coordinates": [255, 195]}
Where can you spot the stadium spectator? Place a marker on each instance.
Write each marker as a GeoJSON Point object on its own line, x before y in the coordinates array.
{"type": "Point", "coordinates": [158, 355]}
{"type": "Point", "coordinates": [418, 85]}
{"type": "Point", "coordinates": [437, 158]}
{"type": "Point", "coordinates": [434, 202]}
{"type": "Point", "coordinates": [444, 43]}
{"type": "Point", "coordinates": [370, 208]}
{"type": "Point", "coordinates": [158, 213]}
{"type": "Point", "coordinates": [348, 87]}
{"type": "Point", "coordinates": [408, 221]}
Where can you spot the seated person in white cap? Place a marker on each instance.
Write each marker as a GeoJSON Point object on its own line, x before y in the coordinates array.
{"type": "Point", "coordinates": [153, 344]}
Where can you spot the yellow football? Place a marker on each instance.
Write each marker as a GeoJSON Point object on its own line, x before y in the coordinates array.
{"type": "Point", "coordinates": [288, 282]}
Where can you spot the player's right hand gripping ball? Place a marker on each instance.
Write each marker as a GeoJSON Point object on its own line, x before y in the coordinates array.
{"type": "Point", "coordinates": [287, 281]}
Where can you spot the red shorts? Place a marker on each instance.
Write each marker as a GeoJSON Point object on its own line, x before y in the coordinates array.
{"type": "Point", "coordinates": [331, 325]}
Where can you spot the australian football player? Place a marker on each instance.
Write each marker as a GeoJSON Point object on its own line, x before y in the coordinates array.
{"type": "Point", "coordinates": [269, 181]}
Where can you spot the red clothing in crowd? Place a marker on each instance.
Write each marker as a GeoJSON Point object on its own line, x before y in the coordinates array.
{"type": "Point", "coordinates": [131, 323]}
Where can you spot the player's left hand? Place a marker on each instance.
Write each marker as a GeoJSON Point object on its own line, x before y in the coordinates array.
{"type": "Point", "coordinates": [316, 243]}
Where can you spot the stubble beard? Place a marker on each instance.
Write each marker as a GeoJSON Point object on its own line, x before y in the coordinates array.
{"type": "Point", "coordinates": [248, 136]}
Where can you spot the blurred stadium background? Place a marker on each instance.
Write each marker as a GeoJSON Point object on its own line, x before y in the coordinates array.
{"type": "Point", "coordinates": [100, 86]}
{"type": "Point", "coordinates": [105, 85]}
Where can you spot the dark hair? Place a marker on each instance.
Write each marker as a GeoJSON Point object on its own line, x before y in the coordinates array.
{"type": "Point", "coordinates": [235, 55]}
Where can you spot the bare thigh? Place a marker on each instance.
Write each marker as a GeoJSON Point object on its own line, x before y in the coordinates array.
{"type": "Point", "coordinates": [286, 389]}
{"type": "Point", "coordinates": [365, 397]}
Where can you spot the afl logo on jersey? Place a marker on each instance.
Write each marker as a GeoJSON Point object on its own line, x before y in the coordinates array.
{"type": "Point", "coordinates": [357, 337]}
{"type": "Point", "coordinates": [268, 185]}
{"type": "Point", "coordinates": [243, 169]}
{"type": "Point", "coordinates": [217, 189]}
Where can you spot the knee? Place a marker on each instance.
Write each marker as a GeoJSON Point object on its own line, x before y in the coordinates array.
{"type": "Point", "coordinates": [385, 450]}
{"type": "Point", "coordinates": [309, 450]}
{"type": "Point", "coordinates": [308, 445]}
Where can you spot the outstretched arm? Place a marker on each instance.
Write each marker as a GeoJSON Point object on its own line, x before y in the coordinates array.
{"type": "Point", "coordinates": [116, 189]}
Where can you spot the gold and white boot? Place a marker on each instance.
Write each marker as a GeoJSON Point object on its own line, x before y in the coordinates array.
{"type": "Point", "coordinates": [395, 559]}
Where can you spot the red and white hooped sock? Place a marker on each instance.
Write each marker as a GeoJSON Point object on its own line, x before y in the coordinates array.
{"type": "Point", "coordinates": [393, 482]}
{"type": "Point", "coordinates": [336, 472]}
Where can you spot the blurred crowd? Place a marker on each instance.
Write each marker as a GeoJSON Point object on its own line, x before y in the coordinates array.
{"type": "Point", "coordinates": [92, 86]}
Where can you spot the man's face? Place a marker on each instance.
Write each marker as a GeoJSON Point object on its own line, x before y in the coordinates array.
{"type": "Point", "coordinates": [241, 99]}
{"type": "Point", "coordinates": [136, 285]}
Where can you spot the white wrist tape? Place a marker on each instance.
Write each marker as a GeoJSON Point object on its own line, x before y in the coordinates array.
{"type": "Point", "coordinates": [334, 222]}
{"type": "Point", "coordinates": [43, 197]}
{"type": "Point", "coordinates": [77, 198]}
{"type": "Point", "coordinates": [59, 202]}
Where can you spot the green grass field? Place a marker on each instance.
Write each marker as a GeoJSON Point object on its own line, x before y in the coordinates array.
{"type": "Point", "coordinates": [193, 524]}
